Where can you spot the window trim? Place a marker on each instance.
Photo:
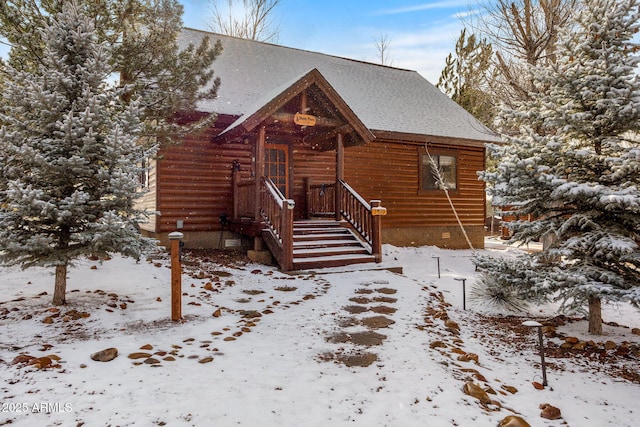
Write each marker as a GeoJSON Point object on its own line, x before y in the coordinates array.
{"type": "Point", "coordinates": [437, 152]}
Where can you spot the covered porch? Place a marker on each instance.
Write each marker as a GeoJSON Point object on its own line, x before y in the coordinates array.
{"type": "Point", "coordinates": [293, 197]}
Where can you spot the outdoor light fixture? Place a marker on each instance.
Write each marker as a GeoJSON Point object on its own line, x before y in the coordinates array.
{"type": "Point", "coordinates": [464, 291]}
{"type": "Point", "coordinates": [534, 324]}
{"type": "Point", "coordinates": [438, 258]}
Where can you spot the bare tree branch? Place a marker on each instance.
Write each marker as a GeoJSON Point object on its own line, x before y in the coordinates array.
{"type": "Point", "coordinates": [382, 46]}
{"type": "Point", "coordinates": [247, 19]}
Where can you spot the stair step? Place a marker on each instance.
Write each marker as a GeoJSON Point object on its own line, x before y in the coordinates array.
{"type": "Point", "coordinates": [325, 243]}
{"type": "Point", "coordinates": [318, 223]}
{"type": "Point", "coordinates": [327, 236]}
{"type": "Point", "coordinates": [322, 252]}
{"type": "Point", "coordinates": [331, 261]}
{"type": "Point", "coordinates": [320, 230]}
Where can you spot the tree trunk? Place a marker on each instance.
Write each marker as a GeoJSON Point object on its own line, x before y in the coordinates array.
{"type": "Point", "coordinates": [595, 315]}
{"type": "Point", "coordinates": [60, 290]}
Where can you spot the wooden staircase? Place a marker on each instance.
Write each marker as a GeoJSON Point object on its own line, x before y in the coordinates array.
{"type": "Point", "coordinates": [326, 243]}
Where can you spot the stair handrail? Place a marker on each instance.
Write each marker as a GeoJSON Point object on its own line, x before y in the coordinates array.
{"type": "Point", "coordinates": [277, 213]}
{"type": "Point", "coordinates": [363, 217]}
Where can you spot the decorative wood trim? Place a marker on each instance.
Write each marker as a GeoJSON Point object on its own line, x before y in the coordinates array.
{"type": "Point", "coordinates": [413, 138]}
{"type": "Point", "coordinates": [313, 77]}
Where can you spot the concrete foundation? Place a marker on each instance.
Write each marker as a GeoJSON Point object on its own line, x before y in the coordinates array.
{"type": "Point", "coordinates": [443, 237]}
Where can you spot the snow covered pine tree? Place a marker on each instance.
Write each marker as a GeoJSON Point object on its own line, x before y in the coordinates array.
{"type": "Point", "coordinates": [575, 168]}
{"type": "Point", "coordinates": [69, 162]}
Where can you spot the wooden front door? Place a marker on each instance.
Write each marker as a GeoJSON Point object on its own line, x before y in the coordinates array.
{"type": "Point", "coordinates": [276, 166]}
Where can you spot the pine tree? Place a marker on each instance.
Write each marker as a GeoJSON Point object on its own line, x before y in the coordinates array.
{"type": "Point", "coordinates": [166, 80]}
{"type": "Point", "coordinates": [574, 167]}
{"type": "Point", "coordinates": [68, 156]}
{"type": "Point", "coordinates": [465, 76]}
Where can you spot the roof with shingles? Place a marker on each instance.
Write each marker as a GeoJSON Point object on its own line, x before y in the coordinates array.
{"type": "Point", "coordinates": [384, 98]}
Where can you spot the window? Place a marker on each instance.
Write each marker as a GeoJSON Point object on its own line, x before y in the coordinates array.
{"type": "Point", "coordinates": [143, 176]}
{"type": "Point", "coordinates": [447, 165]}
{"type": "Point", "coordinates": [276, 166]}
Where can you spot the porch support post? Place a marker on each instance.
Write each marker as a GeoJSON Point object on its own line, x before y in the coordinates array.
{"type": "Point", "coordinates": [339, 175]}
{"type": "Point", "coordinates": [307, 192]}
{"type": "Point", "coordinates": [259, 170]}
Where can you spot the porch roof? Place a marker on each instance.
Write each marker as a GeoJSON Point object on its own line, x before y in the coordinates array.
{"type": "Point", "coordinates": [273, 100]}
{"type": "Point", "coordinates": [385, 99]}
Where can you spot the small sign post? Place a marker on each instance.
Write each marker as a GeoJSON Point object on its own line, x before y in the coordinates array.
{"type": "Point", "coordinates": [176, 276]}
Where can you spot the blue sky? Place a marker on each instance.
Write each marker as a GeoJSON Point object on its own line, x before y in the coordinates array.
{"type": "Point", "coordinates": [421, 33]}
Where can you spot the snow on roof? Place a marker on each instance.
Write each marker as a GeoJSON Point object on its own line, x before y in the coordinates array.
{"type": "Point", "coordinates": [384, 98]}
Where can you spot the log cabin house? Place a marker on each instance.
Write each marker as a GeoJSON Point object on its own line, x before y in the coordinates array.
{"type": "Point", "coordinates": [308, 152]}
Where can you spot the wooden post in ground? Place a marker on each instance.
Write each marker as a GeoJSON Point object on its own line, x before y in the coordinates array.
{"type": "Point", "coordinates": [176, 276]}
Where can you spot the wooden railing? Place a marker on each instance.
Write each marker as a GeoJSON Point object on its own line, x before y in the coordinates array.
{"type": "Point", "coordinates": [363, 217]}
{"type": "Point", "coordinates": [244, 197]}
{"type": "Point", "coordinates": [277, 213]}
{"type": "Point", "coordinates": [321, 199]}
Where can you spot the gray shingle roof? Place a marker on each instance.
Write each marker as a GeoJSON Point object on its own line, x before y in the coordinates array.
{"type": "Point", "coordinates": [384, 98]}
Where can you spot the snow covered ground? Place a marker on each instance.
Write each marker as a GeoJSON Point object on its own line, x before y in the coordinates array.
{"type": "Point", "coordinates": [259, 347]}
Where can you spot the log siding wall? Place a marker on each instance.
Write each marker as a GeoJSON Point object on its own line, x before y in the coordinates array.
{"type": "Point", "coordinates": [390, 172]}
{"type": "Point", "coordinates": [195, 186]}
{"type": "Point", "coordinates": [195, 182]}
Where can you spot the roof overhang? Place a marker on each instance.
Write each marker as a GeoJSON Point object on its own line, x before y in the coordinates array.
{"type": "Point", "coordinates": [419, 138]}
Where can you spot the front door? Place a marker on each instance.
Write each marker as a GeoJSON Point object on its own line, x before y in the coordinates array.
{"type": "Point", "coordinates": [276, 166]}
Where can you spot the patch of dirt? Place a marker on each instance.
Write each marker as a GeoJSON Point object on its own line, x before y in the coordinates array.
{"type": "Point", "coordinates": [360, 300]}
{"type": "Point", "coordinates": [365, 338]}
{"type": "Point", "coordinates": [362, 359]}
{"type": "Point", "coordinates": [339, 338]}
{"type": "Point", "coordinates": [621, 361]}
{"type": "Point", "coordinates": [226, 258]}
{"type": "Point", "coordinates": [386, 300]}
{"type": "Point", "coordinates": [377, 322]}
{"type": "Point", "coordinates": [383, 309]}
{"type": "Point", "coordinates": [355, 309]}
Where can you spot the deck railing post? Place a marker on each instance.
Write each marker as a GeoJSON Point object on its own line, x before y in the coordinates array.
{"type": "Point", "coordinates": [287, 234]}
{"type": "Point", "coordinates": [376, 229]}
